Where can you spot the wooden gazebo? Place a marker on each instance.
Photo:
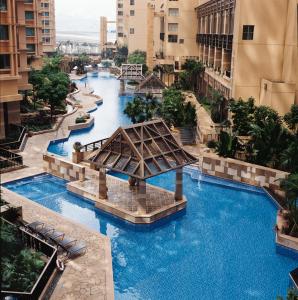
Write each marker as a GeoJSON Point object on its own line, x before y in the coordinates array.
{"type": "Point", "coordinates": [141, 151]}
{"type": "Point", "coordinates": [151, 85]}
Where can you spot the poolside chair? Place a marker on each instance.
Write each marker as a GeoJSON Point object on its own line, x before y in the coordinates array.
{"type": "Point", "coordinates": [76, 250]}
{"type": "Point", "coordinates": [44, 230]}
{"type": "Point", "coordinates": [34, 225]}
{"type": "Point", "coordinates": [52, 235]}
{"type": "Point", "coordinates": [65, 243]}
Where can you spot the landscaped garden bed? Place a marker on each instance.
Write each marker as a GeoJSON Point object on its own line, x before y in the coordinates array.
{"type": "Point", "coordinates": [24, 270]}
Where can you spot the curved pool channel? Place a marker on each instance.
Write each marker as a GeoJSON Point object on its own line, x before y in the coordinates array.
{"type": "Point", "coordinates": [221, 247]}
{"type": "Point", "coordinates": [108, 115]}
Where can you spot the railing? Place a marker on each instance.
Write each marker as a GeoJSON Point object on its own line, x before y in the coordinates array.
{"type": "Point", "coordinates": [215, 40]}
{"type": "Point", "coordinates": [9, 160]}
{"type": "Point", "coordinates": [93, 146]}
{"type": "Point", "coordinates": [49, 251]}
{"type": "Point", "coordinates": [21, 132]}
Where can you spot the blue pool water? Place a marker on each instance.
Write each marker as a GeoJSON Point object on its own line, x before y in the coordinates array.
{"type": "Point", "coordinates": [222, 247]}
{"type": "Point", "coordinates": [108, 116]}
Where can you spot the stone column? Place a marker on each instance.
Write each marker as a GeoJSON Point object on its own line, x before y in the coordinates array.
{"type": "Point", "coordinates": [122, 87]}
{"type": "Point", "coordinates": [179, 185]}
{"type": "Point", "coordinates": [102, 184]}
{"type": "Point", "coordinates": [142, 197]}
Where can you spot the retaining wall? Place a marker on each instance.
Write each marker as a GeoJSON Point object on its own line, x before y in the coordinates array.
{"type": "Point", "coordinates": [63, 168]}
{"type": "Point", "coordinates": [244, 172]}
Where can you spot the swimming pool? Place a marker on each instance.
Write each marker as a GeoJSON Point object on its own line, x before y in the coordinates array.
{"type": "Point", "coordinates": [108, 116]}
{"type": "Point", "coordinates": [222, 247]}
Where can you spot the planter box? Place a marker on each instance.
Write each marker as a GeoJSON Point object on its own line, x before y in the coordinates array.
{"type": "Point", "coordinates": [87, 124]}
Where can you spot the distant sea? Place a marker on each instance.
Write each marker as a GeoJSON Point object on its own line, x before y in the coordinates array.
{"type": "Point", "coordinates": [83, 36]}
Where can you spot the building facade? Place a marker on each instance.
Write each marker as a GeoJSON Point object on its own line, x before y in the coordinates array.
{"type": "Point", "coordinates": [249, 49]}
{"type": "Point", "coordinates": [48, 24]}
{"type": "Point", "coordinates": [20, 47]}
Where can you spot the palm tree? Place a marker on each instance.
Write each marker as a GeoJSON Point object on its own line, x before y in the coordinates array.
{"type": "Point", "coordinates": [194, 69]}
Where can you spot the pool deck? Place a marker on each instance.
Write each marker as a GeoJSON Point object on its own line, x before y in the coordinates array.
{"type": "Point", "coordinates": [87, 277]}
{"type": "Point", "coordinates": [123, 201]}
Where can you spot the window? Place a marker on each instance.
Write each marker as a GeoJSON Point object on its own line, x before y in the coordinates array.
{"type": "Point", "coordinates": [132, 2]}
{"type": "Point", "coordinates": [173, 27]}
{"type": "Point", "coordinates": [3, 5]}
{"type": "Point", "coordinates": [30, 47]}
{"type": "Point", "coordinates": [45, 22]}
{"type": "Point", "coordinates": [120, 13]}
{"type": "Point", "coordinates": [45, 14]}
{"type": "Point", "coordinates": [30, 31]}
{"type": "Point", "coordinates": [132, 31]}
{"type": "Point", "coordinates": [132, 13]}
{"type": "Point", "coordinates": [29, 15]}
{"type": "Point", "coordinates": [120, 34]}
{"type": "Point", "coordinates": [45, 5]}
{"type": "Point", "coordinates": [248, 32]}
{"type": "Point", "coordinates": [174, 12]}
{"type": "Point", "coordinates": [181, 41]}
{"type": "Point", "coordinates": [45, 30]}
{"type": "Point", "coordinates": [28, 1]}
{"type": "Point", "coordinates": [46, 40]}
{"type": "Point", "coordinates": [120, 5]}
{"type": "Point", "coordinates": [172, 38]}
{"type": "Point", "coordinates": [4, 61]}
{"type": "Point", "coordinates": [4, 36]}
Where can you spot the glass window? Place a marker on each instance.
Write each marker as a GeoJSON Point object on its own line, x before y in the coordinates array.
{"type": "Point", "coordinates": [172, 38]}
{"type": "Point", "coordinates": [46, 5]}
{"type": "Point", "coordinates": [4, 33]}
{"type": "Point", "coordinates": [30, 31]}
{"type": "Point", "coordinates": [173, 27]}
{"type": "Point", "coordinates": [3, 5]}
{"type": "Point", "coordinates": [4, 61]}
{"type": "Point", "coordinates": [46, 40]}
{"type": "Point", "coordinates": [174, 12]}
{"type": "Point", "coordinates": [132, 12]}
{"type": "Point", "coordinates": [45, 30]}
{"type": "Point", "coordinates": [248, 32]}
{"type": "Point", "coordinates": [28, 1]}
{"type": "Point", "coordinates": [45, 14]}
{"type": "Point", "coordinates": [45, 22]}
{"type": "Point", "coordinates": [132, 2]}
{"type": "Point", "coordinates": [31, 47]}
{"type": "Point", "coordinates": [29, 15]}
{"type": "Point", "coordinates": [131, 30]}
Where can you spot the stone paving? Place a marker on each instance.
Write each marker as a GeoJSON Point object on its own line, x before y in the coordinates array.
{"type": "Point", "coordinates": [124, 197]}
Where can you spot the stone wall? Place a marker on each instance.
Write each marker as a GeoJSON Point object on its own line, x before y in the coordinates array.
{"type": "Point", "coordinates": [244, 172]}
{"type": "Point", "coordinates": [63, 168]}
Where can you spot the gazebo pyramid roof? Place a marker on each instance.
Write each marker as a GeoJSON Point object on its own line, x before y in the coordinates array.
{"type": "Point", "coordinates": [142, 151]}
{"type": "Point", "coordinates": [151, 84]}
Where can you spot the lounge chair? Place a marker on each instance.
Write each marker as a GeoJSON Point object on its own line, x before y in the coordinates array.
{"type": "Point", "coordinates": [44, 230]}
{"type": "Point", "coordinates": [52, 235]}
{"type": "Point", "coordinates": [76, 250]}
{"type": "Point", "coordinates": [65, 243]}
{"type": "Point", "coordinates": [34, 225]}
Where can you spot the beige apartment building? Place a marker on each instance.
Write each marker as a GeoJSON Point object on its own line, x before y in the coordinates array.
{"type": "Point", "coordinates": [20, 47]}
{"type": "Point", "coordinates": [249, 48]}
{"type": "Point", "coordinates": [48, 24]}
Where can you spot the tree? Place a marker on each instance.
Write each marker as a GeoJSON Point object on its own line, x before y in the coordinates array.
{"type": "Point", "coordinates": [36, 78]}
{"type": "Point", "coordinates": [138, 57]}
{"type": "Point", "coordinates": [227, 145]}
{"type": "Point", "coordinates": [217, 105]}
{"type": "Point", "coordinates": [190, 76]}
{"type": "Point", "coordinates": [290, 186]}
{"type": "Point", "coordinates": [242, 115]}
{"type": "Point", "coordinates": [121, 56]}
{"type": "Point", "coordinates": [54, 90]}
{"type": "Point", "coordinates": [291, 119]}
{"type": "Point", "coordinates": [142, 109]}
{"type": "Point", "coordinates": [51, 64]}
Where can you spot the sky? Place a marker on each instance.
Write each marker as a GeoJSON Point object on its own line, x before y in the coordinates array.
{"type": "Point", "coordinates": [83, 15]}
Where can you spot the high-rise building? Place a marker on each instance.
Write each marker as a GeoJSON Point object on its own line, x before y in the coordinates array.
{"type": "Point", "coordinates": [20, 48]}
{"type": "Point", "coordinates": [48, 25]}
{"type": "Point", "coordinates": [249, 49]}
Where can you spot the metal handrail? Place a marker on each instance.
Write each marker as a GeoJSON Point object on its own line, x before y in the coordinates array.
{"type": "Point", "coordinates": [15, 144]}
{"type": "Point", "coordinates": [93, 146]}
{"type": "Point", "coordinates": [9, 159]}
